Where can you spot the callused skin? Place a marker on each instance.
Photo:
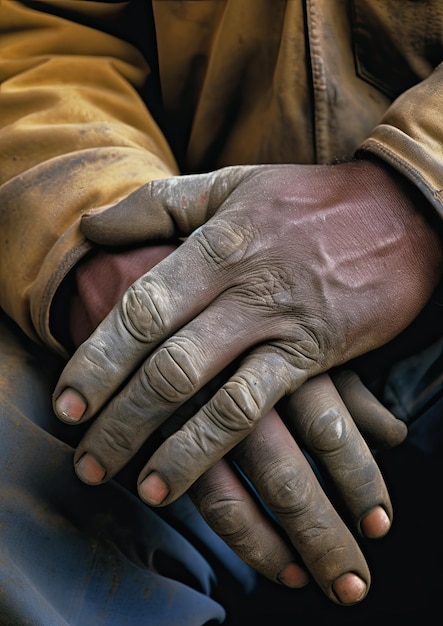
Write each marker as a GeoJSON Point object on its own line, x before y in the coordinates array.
{"type": "Point", "coordinates": [290, 269]}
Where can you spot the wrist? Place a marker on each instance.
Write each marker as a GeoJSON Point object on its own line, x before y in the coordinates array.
{"type": "Point", "coordinates": [398, 196]}
{"type": "Point", "coordinates": [404, 193]}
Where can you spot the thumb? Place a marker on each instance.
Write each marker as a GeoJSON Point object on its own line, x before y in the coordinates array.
{"type": "Point", "coordinates": [163, 209]}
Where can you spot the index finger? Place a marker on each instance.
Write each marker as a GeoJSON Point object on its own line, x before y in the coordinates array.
{"type": "Point", "coordinates": [162, 300]}
{"type": "Point", "coordinates": [152, 309]}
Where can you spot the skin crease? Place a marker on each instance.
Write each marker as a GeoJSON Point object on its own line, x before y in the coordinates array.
{"type": "Point", "coordinates": [247, 529]}
{"type": "Point", "coordinates": [273, 462]}
{"type": "Point", "coordinates": [220, 490]}
{"type": "Point", "coordinates": [303, 275]}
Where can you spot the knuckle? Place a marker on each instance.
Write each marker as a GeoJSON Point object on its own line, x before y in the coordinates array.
{"type": "Point", "coordinates": [265, 287]}
{"type": "Point", "coordinates": [234, 407]}
{"type": "Point", "coordinates": [287, 491]}
{"type": "Point", "coordinates": [141, 310]}
{"type": "Point", "coordinates": [114, 440]}
{"type": "Point", "coordinates": [223, 243]}
{"type": "Point", "coordinates": [232, 520]}
{"type": "Point", "coordinates": [96, 356]}
{"type": "Point", "coordinates": [170, 373]}
{"type": "Point", "coordinates": [328, 431]}
{"type": "Point", "coordinates": [303, 349]}
{"type": "Point", "coordinates": [226, 516]}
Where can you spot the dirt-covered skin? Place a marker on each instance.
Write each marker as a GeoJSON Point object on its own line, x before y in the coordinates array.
{"type": "Point", "coordinates": [290, 269]}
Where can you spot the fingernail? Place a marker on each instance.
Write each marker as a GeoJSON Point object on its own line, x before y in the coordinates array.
{"type": "Point", "coordinates": [89, 470]}
{"type": "Point", "coordinates": [349, 588]}
{"type": "Point", "coordinates": [153, 489]}
{"type": "Point", "coordinates": [293, 576]}
{"type": "Point", "coordinates": [376, 523]}
{"type": "Point", "coordinates": [70, 405]}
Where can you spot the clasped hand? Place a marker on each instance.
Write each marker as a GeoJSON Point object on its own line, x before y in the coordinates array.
{"type": "Point", "coordinates": [287, 271]}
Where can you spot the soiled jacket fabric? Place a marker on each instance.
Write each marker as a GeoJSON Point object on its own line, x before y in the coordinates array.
{"type": "Point", "coordinates": [98, 98]}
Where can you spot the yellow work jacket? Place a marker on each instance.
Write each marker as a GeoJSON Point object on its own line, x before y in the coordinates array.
{"type": "Point", "coordinates": [99, 97]}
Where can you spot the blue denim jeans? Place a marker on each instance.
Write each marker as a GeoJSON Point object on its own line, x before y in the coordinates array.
{"type": "Point", "coordinates": [77, 555]}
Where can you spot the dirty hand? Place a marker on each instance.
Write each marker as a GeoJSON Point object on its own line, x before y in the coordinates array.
{"type": "Point", "coordinates": [308, 534]}
{"type": "Point", "coordinates": [319, 418]}
{"type": "Point", "coordinates": [289, 269]}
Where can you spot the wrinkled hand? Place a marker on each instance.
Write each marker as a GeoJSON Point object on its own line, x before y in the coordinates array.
{"type": "Point", "coordinates": [270, 456]}
{"type": "Point", "coordinates": [277, 468]}
{"type": "Point", "coordinates": [296, 269]}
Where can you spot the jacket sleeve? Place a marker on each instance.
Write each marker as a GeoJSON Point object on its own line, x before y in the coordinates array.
{"type": "Point", "coordinates": [410, 137]}
{"type": "Point", "coordinates": [74, 133]}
